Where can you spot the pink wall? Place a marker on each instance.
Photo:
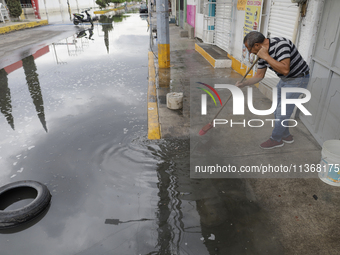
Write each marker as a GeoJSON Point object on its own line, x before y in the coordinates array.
{"type": "Point", "coordinates": [191, 11]}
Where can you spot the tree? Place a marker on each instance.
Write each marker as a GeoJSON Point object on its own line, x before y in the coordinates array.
{"type": "Point", "coordinates": [117, 1]}
{"type": "Point", "coordinates": [104, 3]}
{"type": "Point", "coordinates": [107, 26]}
{"type": "Point", "coordinates": [14, 8]}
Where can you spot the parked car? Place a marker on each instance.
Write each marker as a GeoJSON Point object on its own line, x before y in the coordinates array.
{"type": "Point", "coordinates": [143, 8]}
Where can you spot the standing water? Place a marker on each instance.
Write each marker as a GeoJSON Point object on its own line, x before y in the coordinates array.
{"type": "Point", "coordinates": [74, 117]}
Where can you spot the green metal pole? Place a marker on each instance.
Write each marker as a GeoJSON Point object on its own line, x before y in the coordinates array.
{"type": "Point", "coordinates": [185, 12]}
{"type": "Point", "coordinates": [179, 13]}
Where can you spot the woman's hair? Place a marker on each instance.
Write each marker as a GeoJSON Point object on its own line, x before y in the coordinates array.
{"type": "Point", "coordinates": [253, 37]}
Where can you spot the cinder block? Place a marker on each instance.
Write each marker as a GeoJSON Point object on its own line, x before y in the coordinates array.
{"type": "Point", "coordinates": [183, 33]}
{"type": "Point", "coordinates": [192, 33]}
{"type": "Point", "coordinates": [223, 63]}
{"type": "Point", "coordinates": [191, 30]}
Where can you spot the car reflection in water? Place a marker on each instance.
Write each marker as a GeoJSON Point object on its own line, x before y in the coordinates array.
{"type": "Point", "coordinates": [144, 16]}
{"type": "Point", "coordinates": [143, 9]}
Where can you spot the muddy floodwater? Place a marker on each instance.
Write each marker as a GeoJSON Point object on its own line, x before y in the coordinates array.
{"type": "Point", "coordinates": [74, 117]}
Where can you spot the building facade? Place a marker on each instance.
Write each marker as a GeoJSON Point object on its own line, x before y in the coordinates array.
{"type": "Point", "coordinates": [312, 25]}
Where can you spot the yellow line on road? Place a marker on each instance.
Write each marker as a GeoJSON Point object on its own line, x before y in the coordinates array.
{"type": "Point", "coordinates": [22, 25]}
{"type": "Point", "coordinates": [110, 10]}
{"type": "Point", "coordinates": [154, 131]}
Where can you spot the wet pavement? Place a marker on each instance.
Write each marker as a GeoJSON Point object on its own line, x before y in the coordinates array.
{"type": "Point", "coordinates": [74, 117]}
{"type": "Point", "coordinates": [251, 215]}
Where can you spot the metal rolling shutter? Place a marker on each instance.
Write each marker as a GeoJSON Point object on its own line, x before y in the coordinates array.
{"type": "Point", "coordinates": [223, 24]}
{"type": "Point", "coordinates": [283, 20]}
{"type": "Point", "coordinates": [324, 105]}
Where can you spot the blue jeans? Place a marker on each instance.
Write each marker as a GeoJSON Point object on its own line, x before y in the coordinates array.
{"type": "Point", "coordinates": [280, 131]}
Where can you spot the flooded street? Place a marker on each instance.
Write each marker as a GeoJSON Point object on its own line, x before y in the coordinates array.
{"type": "Point", "coordinates": [74, 117]}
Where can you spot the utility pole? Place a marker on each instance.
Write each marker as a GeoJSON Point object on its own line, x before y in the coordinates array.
{"type": "Point", "coordinates": [162, 9]}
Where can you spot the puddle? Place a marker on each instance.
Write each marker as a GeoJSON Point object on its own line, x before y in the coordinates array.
{"type": "Point", "coordinates": [74, 117]}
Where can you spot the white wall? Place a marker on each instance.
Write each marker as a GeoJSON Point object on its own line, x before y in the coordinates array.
{"type": "Point", "coordinates": [306, 38]}
{"type": "Point", "coordinates": [309, 28]}
{"type": "Point", "coordinates": [56, 5]}
{"type": "Point", "coordinates": [236, 51]}
{"type": "Point", "coordinates": [199, 25]}
{"type": "Point", "coordinates": [173, 7]}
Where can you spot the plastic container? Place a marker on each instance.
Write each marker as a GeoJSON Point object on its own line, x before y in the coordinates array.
{"type": "Point", "coordinates": [330, 162]}
{"type": "Point", "coordinates": [174, 100]}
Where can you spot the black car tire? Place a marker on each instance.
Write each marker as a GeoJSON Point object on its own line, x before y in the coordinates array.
{"type": "Point", "coordinates": [13, 218]}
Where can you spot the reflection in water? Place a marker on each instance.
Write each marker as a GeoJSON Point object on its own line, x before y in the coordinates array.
{"type": "Point", "coordinates": [106, 28]}
{"type": "Point", "coordinates": [230, 221]}
{"type": "Point", "coordinates": [164, 228]}
{"type": "Point", "coordinates": [117, 221]}
{"type": "Point", "coordinates": [28, 224]}
{"type": "Point", "coordinates": [132, 10]}
{"type": "Point", "coordinates": [34, 87]}
{"type": "Point", "coordinates": [75, 44]}
{"type": "Point", "coordinates": [59, 62]}
{"type": "Point", "coordinates": [83, 33]}
{"type": "Point", "coordinates": [119, 18]}
{"type": "Point", "coordinates": [169, 214]}
{"type": "Point", "coordinates": [106, 22]}
{"type": "Point", "coordinates": [144, 16]}
{"type": "Point", "coordinates": [69, 9]}
{"type": "Point", "coordinates": [5, 98]}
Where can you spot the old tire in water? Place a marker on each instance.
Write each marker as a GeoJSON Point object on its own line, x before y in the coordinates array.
{"type": "Point", "coordinates": [13, 218]}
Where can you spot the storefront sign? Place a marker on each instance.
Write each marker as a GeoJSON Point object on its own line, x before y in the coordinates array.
{"type": "Point", "coordinates": [251, 23]}
{"type": "Point", "coordinates": [241, 5]}
{"type": "Point", "coordinates": [252, 16]}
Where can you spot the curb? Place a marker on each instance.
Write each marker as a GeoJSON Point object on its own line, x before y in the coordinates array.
{"type": "Point", "coordinates": [216, 62]}
{"type": "Point", "coordinates": [22, 25]}
{"type": "Point", "coordinates": [154, 131]}
{"type": "Point", "coordinates": [103, 12]}
{"type": "Point", "coordinates": [236, 65]}
{"type": "Point", "coordinates": [210, 59]}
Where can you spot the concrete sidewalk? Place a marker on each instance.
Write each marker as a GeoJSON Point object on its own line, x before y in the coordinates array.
{"type": "Point", "coordinates": [185, 63]}
{"type": "Point", "coordinates": [303, 210]}
{"type": "Point", "coordinates": [19, 25]}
